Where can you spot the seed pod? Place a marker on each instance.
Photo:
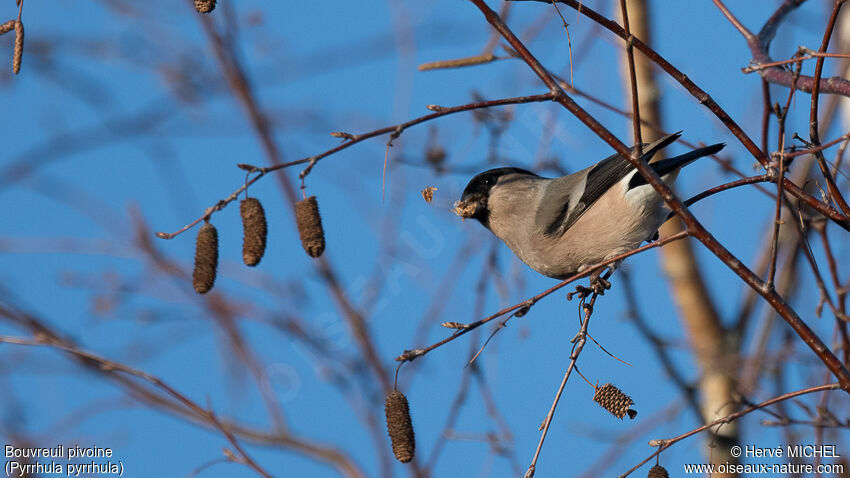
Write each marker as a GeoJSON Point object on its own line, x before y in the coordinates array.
{"type": "Point", "coordinates": [310, 226]}
{"type": "Point", "coordinates": [614, 400]}
{"type": "Point", "coordinates": [254, 231]}
{"type": "Point", "coordinates": [19, 46]}
{"type": "Point", "coordinates": [657, 471]}
{"type": "Point", "coordinates": [399, 426]}
{"type": "Point", "coordinates": [7, 27]}
{"type": "Point", "coordinates": [428, 194]}
{"type": "Point", "coordinates": [204, 6]}
{"type": "Point", "coordinates": [206, 258]}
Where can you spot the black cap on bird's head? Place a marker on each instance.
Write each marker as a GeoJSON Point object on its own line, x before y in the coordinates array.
{"type": "Point", "coordinates": [473, 202]}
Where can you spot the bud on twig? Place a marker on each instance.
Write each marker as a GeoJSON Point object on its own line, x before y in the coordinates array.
{"type": "Point", "coordinates": [342, 135]}
{"type": "Point", "coordinates": [204, 6]}
{"type": "Point", "coordinates": [614, 400]}
{"type": "Point", "coordinates": [206, 258]}
{"type": "Point", "coordinates": [254, 231]}
{"type": "Point", "coordinates": [247, 167]}
{"type": "Point", "coordinates": [309, 224]}
{"type": "Point", "coordinates": [400, 427]}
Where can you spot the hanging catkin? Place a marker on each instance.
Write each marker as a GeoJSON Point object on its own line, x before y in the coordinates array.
{"type": "Point", "coordinates": [399, 426]}
{"type": "Point", "coordinates": [254, 231]}
{"type": "Point", "coordinates": [309, 224]}
{"type": "Point", "coordinates": [19, 46]}
{"type": "Point", "coordinates": [206, 259]}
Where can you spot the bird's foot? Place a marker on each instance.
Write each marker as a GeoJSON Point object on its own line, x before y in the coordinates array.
{"type": "Point", "coordinates": [599, 284]}
{"type": "Point", "coordinates": [581, 291]}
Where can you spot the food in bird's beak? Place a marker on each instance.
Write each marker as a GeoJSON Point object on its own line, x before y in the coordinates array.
{"type": "Point", "coordinates": [469, 208]}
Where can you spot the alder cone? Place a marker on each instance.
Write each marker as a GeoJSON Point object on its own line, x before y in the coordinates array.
{"type": "Point", "coordinates": [204, 6]}
{"type": "Point", "coordinates": [400, 427]}
{"type": "Point", "coordinates": [254, 230]}
{"type": "Point", "coordinates": [614, 400]}
{"type": "Point", "coordinates": [309, 223]}
{"type": "Point", "coordinates": [657, 471]}
{"type": "Point", "coordinates": [206, 259]}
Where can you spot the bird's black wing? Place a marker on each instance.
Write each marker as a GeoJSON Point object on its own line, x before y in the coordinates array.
{"type": "Point", "coordinates": [600, 178]}
{"type": "Point", "coordinates": [669, 165]}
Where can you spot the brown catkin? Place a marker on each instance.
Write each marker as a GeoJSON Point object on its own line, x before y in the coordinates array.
{"type": "Point", "coordinates": [309, 223]}
{"type": "Point", "coordinates": [204, 6]}
{"type": "Point", "coordinates": [614, 400]}
{"type": "Point", "coordinates": [399, 426]}
{"type": "Point", "coordinates": [206, 258]}
{"type": "Point", "coordinates": [7, 27]}
{"type": "Point", "coordinates": [254, 231]}
{"type": "Point", "coordinates": [657, 471]}
{"type": "Point", "coordinates": [19, 46]}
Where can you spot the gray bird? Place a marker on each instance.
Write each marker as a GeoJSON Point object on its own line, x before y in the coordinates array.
{"type": "Point", "coordinates": [560, 226]}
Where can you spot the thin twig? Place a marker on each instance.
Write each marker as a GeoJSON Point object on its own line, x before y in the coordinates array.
{"type": "Point", "coordinates": [630, 55]}
{"type": "Point", "coordinates": [352, 140]}
{"type": "Point", "coordinates": [762, 178]}
{"type": "Point", "coordinates": [479, 59]}
{"type": "Point", "coordinates": [704, 99]}
{"type": "Point", "coordinates": [808, 56]}
{"type": "Point", "coordinates": [569, 40]}
{"type": "Point", "coordinates": [782, 116]}
{"type": "Point", "coordinates": [759, 44]}
{"type": "Point", "coordinates": [578, 346]}
{"type": "Point", "coordinates": [810, 257]}
{"type": "Point", "coordinates": [734, 21]}
{"type": "Point", "coordinates": [694, 226]}
{"type": "Point", "coordinates": [663, 444]}
{"type": "Point", "coordinates": [816, 149]}
{"type": "Point", "coordinates": [409, 355]}
{"type": "Point", "coordinates": [109, 365]}
{"type": "Point", "coordinates": [814, 134]}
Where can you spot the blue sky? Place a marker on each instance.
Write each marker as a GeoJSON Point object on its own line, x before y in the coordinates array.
{"type": "Point", "coordinates": [112, 142]}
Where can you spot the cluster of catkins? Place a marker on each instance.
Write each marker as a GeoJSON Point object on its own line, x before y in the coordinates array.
{"type": "Point", "coordinates": [254, 227]}
{"type": "Point", "coordinates": [309, 222]}
{"type": "Point", "coordinates": [202, 6]}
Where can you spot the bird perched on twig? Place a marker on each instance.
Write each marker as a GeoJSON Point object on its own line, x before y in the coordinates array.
{"type": "Point", "coordinates": [561, 226]}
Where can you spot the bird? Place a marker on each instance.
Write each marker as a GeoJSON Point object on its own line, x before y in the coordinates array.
{"type": "Point", "coordinates": [562, 226]}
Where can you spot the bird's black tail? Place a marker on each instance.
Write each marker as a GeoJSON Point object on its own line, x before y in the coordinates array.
{"type": "Point", "coordinates": [669, 165]}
